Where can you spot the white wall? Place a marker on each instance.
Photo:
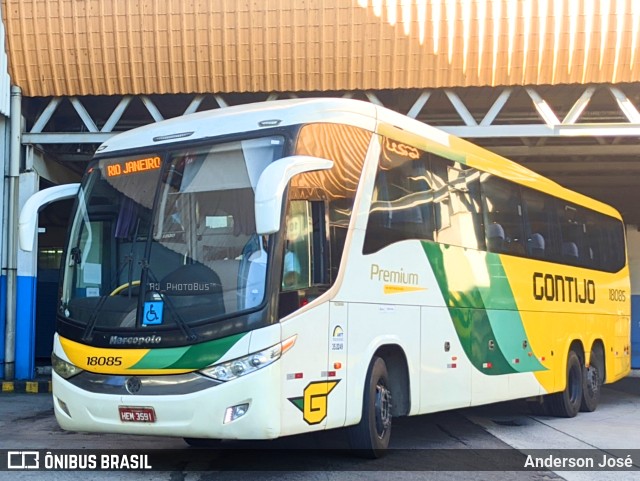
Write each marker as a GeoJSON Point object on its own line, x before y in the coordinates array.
{"type": "Point", "coordinates": [633, 246]}
{"type": "Point", "coordinates": [5, 81]}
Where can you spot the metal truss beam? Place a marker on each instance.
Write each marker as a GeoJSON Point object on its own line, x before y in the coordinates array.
{"type": "Point", "coordinates": [66, 138]}
{"type": "Point", "coordinates": [470, 120]}
{"type": "Point", "coordinates": [536, 130]}
{"type": "Point", "coordinates": [546, 151]}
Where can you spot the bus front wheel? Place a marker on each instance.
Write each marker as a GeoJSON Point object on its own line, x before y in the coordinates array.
{"type": "Point", "coordinates": [566, 404]}
{"type": "Point", "coordinates": [592, 381]}
{"type": "Point", "coordinates": [370, 437]}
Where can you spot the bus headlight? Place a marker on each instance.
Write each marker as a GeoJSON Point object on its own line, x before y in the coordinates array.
{"type": "Point", "coordinates": [63, 368]}
{"type": "Point", "coordinates": [227, 371]}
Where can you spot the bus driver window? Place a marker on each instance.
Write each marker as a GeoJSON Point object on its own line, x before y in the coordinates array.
{"type": "Point", "coordinates": [295, 270]}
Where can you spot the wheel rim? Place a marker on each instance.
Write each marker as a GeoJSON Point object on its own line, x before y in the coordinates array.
{"type": "Point", "coordinates": [592, 379]}
{"type": "Point", "coordinates": [382, 409]}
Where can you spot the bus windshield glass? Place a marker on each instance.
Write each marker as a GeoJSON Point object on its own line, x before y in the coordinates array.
{"type": "Point", "coordinates": [167, 240]}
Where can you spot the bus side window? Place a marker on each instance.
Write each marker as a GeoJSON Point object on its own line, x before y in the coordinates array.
{"type": "Point", "coordinates": [540, 225]}
{"type": "Point", "coordinates": [503, 207]}
{"type": "Point", "coordinates": [402, 203]}
{"type": "Point", "coordinates": [456, 202]}
{"type": "Point", "coordinates": [296, 271]}
{"type": "Point", "coordinates": [305, 258]}
{"type": "Point", "coordinates": [574, 248]}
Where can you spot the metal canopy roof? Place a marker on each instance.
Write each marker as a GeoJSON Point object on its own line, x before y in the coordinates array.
{"type": "Point", "coordinates": [552, 84]}
{"type": "Point", "coordinates": [110, 47]}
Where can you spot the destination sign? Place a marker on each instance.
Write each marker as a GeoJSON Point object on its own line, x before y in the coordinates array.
{"type": "Point", "coordinates": [401, 149]}
{"type": "Point", "coordinates": [128, 167]}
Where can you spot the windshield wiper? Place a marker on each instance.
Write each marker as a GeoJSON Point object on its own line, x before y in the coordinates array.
{"type": "Point", "coordinates": [127, 261]}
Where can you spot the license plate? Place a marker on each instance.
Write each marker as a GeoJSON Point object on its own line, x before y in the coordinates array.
{"type": "Point", "coordinates": [129, 414]}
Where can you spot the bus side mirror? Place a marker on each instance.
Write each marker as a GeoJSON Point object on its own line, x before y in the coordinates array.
{"type": "Point", "coordinates": [272, 184]}
{"type": "Point", "coordinates": [28, 221]}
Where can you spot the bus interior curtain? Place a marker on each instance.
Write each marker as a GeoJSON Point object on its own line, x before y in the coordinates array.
{"type": "Point", "coordinates": [126, 218]}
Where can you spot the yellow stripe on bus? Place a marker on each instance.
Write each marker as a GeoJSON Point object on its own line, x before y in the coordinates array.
{"type": "Point", "coordinates": [87, 357]}
{"type": "Point", "coordinates": [109, 360]}
{"type": "Point", "coordinates": [398, 289]}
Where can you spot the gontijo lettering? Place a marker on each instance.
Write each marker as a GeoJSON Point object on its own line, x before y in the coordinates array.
{"type": "Point", "coordinates": [559, 288]}
{"type": "Point", "coordinates": [133, 166]}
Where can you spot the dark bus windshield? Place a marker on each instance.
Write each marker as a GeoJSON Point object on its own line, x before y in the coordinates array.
{"type": "Point", "coordinates": [168, 240]}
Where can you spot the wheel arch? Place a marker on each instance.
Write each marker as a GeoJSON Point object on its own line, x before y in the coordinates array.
{"type": "Point", "coordinates": [399, 377]}
{"type": "Point", "coordinates": [577, 346]}
{"type": "Point", "coordinates": [599, 344]}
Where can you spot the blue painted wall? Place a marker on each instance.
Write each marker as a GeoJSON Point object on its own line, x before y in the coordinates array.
{"type": "Point", "coordinates": [635, 332]}
{"type": "Point", "coordinates": [26, 327]}
{"type": "Point", "coordinates": [3, 316]}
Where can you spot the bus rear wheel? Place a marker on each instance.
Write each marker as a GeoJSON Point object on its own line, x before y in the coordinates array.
{"type": "Point", "coordinates": [566, 404]}
{"type": "Point", "coordinates": [592, 381]}
{"type": "Point", "coordinates": [370, 437]}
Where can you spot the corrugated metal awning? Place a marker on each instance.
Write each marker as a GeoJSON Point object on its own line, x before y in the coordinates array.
{"type": "Point", "coordinates": [96, 47]}
{"type": "Point", "coordinates": [5, 82]}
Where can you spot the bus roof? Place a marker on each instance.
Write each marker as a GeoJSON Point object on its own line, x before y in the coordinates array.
{"type": "Point", "coordinates": [262, 115]}
{"type": "Point", "coordinates": [244, 118]}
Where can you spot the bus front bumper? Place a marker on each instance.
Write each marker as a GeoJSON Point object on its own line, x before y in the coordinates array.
{"type": "Point", "coordinates": [198, 414]}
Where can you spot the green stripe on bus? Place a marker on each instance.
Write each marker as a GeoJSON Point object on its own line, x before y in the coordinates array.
{"type": "Point", "coordinates": [506, 321]}
{"type": "Point", "coordinates": [160, 358]}
{"type": "Point", "coordinates": [196, 356]}
{"type": "Point", "coordinates": [486, 319]}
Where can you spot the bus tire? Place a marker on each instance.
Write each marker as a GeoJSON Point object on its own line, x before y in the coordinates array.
{"type": "Point", "coordinates": [370, 437]}
{"type": "Point", "coordinates": [202, 442]}
{"type": "Point", "coordinates": [592, 381]}
{"type": "Point", "coordinates": [566, 404]}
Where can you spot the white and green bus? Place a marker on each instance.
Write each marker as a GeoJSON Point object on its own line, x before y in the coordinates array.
{"type": "Point", "coordinates": [293, 266]}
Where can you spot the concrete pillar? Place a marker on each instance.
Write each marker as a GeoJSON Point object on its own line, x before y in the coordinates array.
{"type": "Point", "coordinates": [26, 292]}
{"type": "Point", "coordinates": [4, 192]}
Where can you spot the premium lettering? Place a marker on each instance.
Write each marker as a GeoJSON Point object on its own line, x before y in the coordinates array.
{"type": "Point", "coordinates": [558, 288]}
{"type": "Point", "coordinates": [398, 277]}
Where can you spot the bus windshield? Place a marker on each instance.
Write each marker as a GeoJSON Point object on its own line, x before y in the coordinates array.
{"type": "Point", "coordinates": [167, 240]}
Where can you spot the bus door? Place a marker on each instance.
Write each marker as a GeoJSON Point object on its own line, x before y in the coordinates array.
{"type": "Point", "coordinates": [308, 380]}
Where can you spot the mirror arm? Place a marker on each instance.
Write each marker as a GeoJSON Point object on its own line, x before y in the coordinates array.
{"type": "Point", "coordinates": [272, 184]}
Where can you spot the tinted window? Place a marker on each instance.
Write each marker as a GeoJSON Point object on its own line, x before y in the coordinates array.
{"type": "Point", "coordinates": [347, 147]}
{"type": "Point", "coordinates": [401, 206]}
{"type": "Point", "coordinates": [503, 216]}
{"type": "Point", "coordinates": [540, 226]}
{"type": "Point", "coordinates": [418, 195]}
{"type": "Point", "coordinates": [605, 242]}
{"type": "Point", "coordinates": [457, 204]}
{"type": "Point", "coordinates": [573, 249]}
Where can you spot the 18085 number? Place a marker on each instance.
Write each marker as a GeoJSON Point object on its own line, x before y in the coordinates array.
{"type": "Point", "coordinates": [617, 295]}
{"type": "Point", "coordinates": [104, 361]}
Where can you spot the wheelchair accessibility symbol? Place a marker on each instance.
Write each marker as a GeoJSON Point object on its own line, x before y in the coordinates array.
{"type": "Point", "coordinates": [152, 313]}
